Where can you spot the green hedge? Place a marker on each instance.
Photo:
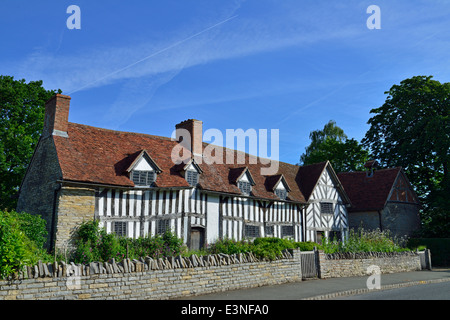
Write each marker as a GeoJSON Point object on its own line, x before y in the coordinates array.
{"type": "Point", "coordinates": [439, 247]}
{"type": "Point", "coordinates": [22, 237]}
{"type": "Point", "coordinates": [362, 240]}
{"type": "Point", "coordinates": [95, 244]}
{"type": "Point", "coordinates": [269, 248]}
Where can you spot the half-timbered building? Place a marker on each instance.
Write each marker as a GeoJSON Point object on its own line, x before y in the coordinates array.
{"type": "Point", "coordinates": [326, 213]}
{"type": "Point", "coordinates": [131, 185]}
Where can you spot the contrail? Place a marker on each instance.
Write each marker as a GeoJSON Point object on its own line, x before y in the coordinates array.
{"type": "Point", "coordinates": [154, 54]}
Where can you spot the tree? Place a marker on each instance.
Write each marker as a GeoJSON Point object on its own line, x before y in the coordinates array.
{"type": "Point", "coordinates": [330, 130]}
{"type": "Point", "coordinates": [332, 144]}
{"type": "Point", "coordinates": [412, 130]}
{"type": "Point", "coordinates": [21, 120]}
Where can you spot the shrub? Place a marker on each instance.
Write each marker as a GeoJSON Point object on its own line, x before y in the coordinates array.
{"type": "Point", "coordinates": [306, 246]}
{"type": "Point", "coordinates": [364, 241]}
{"type": "Point", "coordinates": [34, 227]}
{"type": "Point", "coordinates": [269, 248]}
{"type": "Point", "coordinates": [20, 241]}
{"type": "Point", "coordinates": [95, 244]}
{"type": "Point", "coordinates": [229, 246]}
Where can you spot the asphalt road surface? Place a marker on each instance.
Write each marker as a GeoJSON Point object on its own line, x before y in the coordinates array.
{"type": "Point", "coordinates": [351, 287]}
{"type": "Point", "coordinates": [430, 291]}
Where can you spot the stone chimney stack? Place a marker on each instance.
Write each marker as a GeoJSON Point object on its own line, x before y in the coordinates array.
{"type": "Point", "coordinates": [56, 116]}
{"type": "Point", "coordinates": [195, 129]}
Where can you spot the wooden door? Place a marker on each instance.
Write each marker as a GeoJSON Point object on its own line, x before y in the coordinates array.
{"type": "Point", "coordinates": [197, 238]}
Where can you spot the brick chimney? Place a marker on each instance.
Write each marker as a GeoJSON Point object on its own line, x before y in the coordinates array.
{"type": "Point", "coordinates": [56, 116]}
{"type": "Point", "coordinates": [195, 129]}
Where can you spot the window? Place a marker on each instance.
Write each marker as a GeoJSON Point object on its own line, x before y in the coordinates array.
{"type": "Point", "coordinates": [163, 226]}
{"type": "Point", "coordinates": [287, 231]}
{"type": "Point", "coordinates": [120, 228]}
{"type": "Point", "coordinates": [326, 208]}
{"type": "Point", "coordinates": [143, 178]}
{"type": "Point", "coordinates": [251, 231]}
{"type": "Point", "coordinates": [192, 177]}
{"type": "Point", "coordinates": [269, 231]}
{"type": "Point", "coordinates": [281, 193]}
{"type": "Point", "coordinates": [245, 187]}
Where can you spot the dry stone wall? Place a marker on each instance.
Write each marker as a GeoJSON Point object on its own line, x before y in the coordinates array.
{"type": "Point", "coordinates": [357, 264]}
{"type": "Point", "coordinates": [149, 278]}
{"type": "Point", "coordinates": [179, 277]}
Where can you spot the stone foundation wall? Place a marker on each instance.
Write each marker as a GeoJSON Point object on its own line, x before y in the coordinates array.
{"type": "Point", "coordinates": [75, 205]}
{"type": "Point", "coordinates": [347, 266]}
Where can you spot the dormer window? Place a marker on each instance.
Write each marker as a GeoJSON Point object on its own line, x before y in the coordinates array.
{"type": "Point", "coordinates": [192, 173]}
{"type": "Point", "coordinates": [192, 177]}
{"type": "Point", "coordinates": [279, 186]}
{"type": "Point", "coordinates": [143, 171]}
{"type": "Point", "coordinates": [281, 193]}
{"type": "Point", "coordinates": [245, 187]}
{"type": "Point", "coordinates": [143, 178]}
{"type": "Point", "coordinates": [243, 180]}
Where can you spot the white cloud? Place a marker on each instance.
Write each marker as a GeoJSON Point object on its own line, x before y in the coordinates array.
{"type": "Point", "coordinates": [242, 31]}
{"type": "Point", "coordinates": [234, 36]}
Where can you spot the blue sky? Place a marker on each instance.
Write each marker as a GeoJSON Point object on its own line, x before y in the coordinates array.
{"type": "Point", "coordinates": [292, 65]}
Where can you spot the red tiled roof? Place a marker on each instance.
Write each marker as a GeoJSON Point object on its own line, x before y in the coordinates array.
{"type": "Point", "coordinates": [102, 156]}
{"type": "Point", "coordinates": [310, 174]}
{"type": "Point", "coordinates": [368, 193]}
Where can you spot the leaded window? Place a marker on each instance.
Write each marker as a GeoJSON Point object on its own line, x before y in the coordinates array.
{"type": "Point", "coordinates": [251, 231]}
{"type": "Point", "coordinates": [143, 178]}
{"type": "Point", "coordinates": [326, 208]}
{"type": "Point", "coordinates": [245, 187]}
{"type": "Point", "coordinates": [281, 193]}
{"type": "Point", "coordinates": [287, 231]}
{"type": "Point", "coordinates": [192, 177]}
{"type": "Point", "coordinates": [269, 231]}
{"type": "Point", "coordinates": [120, 228]}
{"type": "Point", "coordinates": [163, 226]}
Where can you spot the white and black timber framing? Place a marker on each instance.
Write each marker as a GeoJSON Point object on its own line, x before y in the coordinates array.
{"type": "Point", "coordinates": [143, 209]}
{"type": "Point", "coordinates": [327, 190]}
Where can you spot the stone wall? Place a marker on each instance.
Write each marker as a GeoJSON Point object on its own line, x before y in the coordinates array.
{"type": "Point", "coordinates": [157, 279]}
{"type": "Point", "coordinates": [354, 265]}
{"type": "Point", "coordinates": [401, 218]}
{"type": "Point", "coordinates": [39, 187]}
{"type": "Point", "coordinates": [75, 205]}
{"type": "Point", "coordinates": [149, 278]}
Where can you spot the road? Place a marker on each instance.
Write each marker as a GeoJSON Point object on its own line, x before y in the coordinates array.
{"type": "Point", "coordinates": [431, 291]}
{"type": "Point", "coordinates": [439, 280]}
